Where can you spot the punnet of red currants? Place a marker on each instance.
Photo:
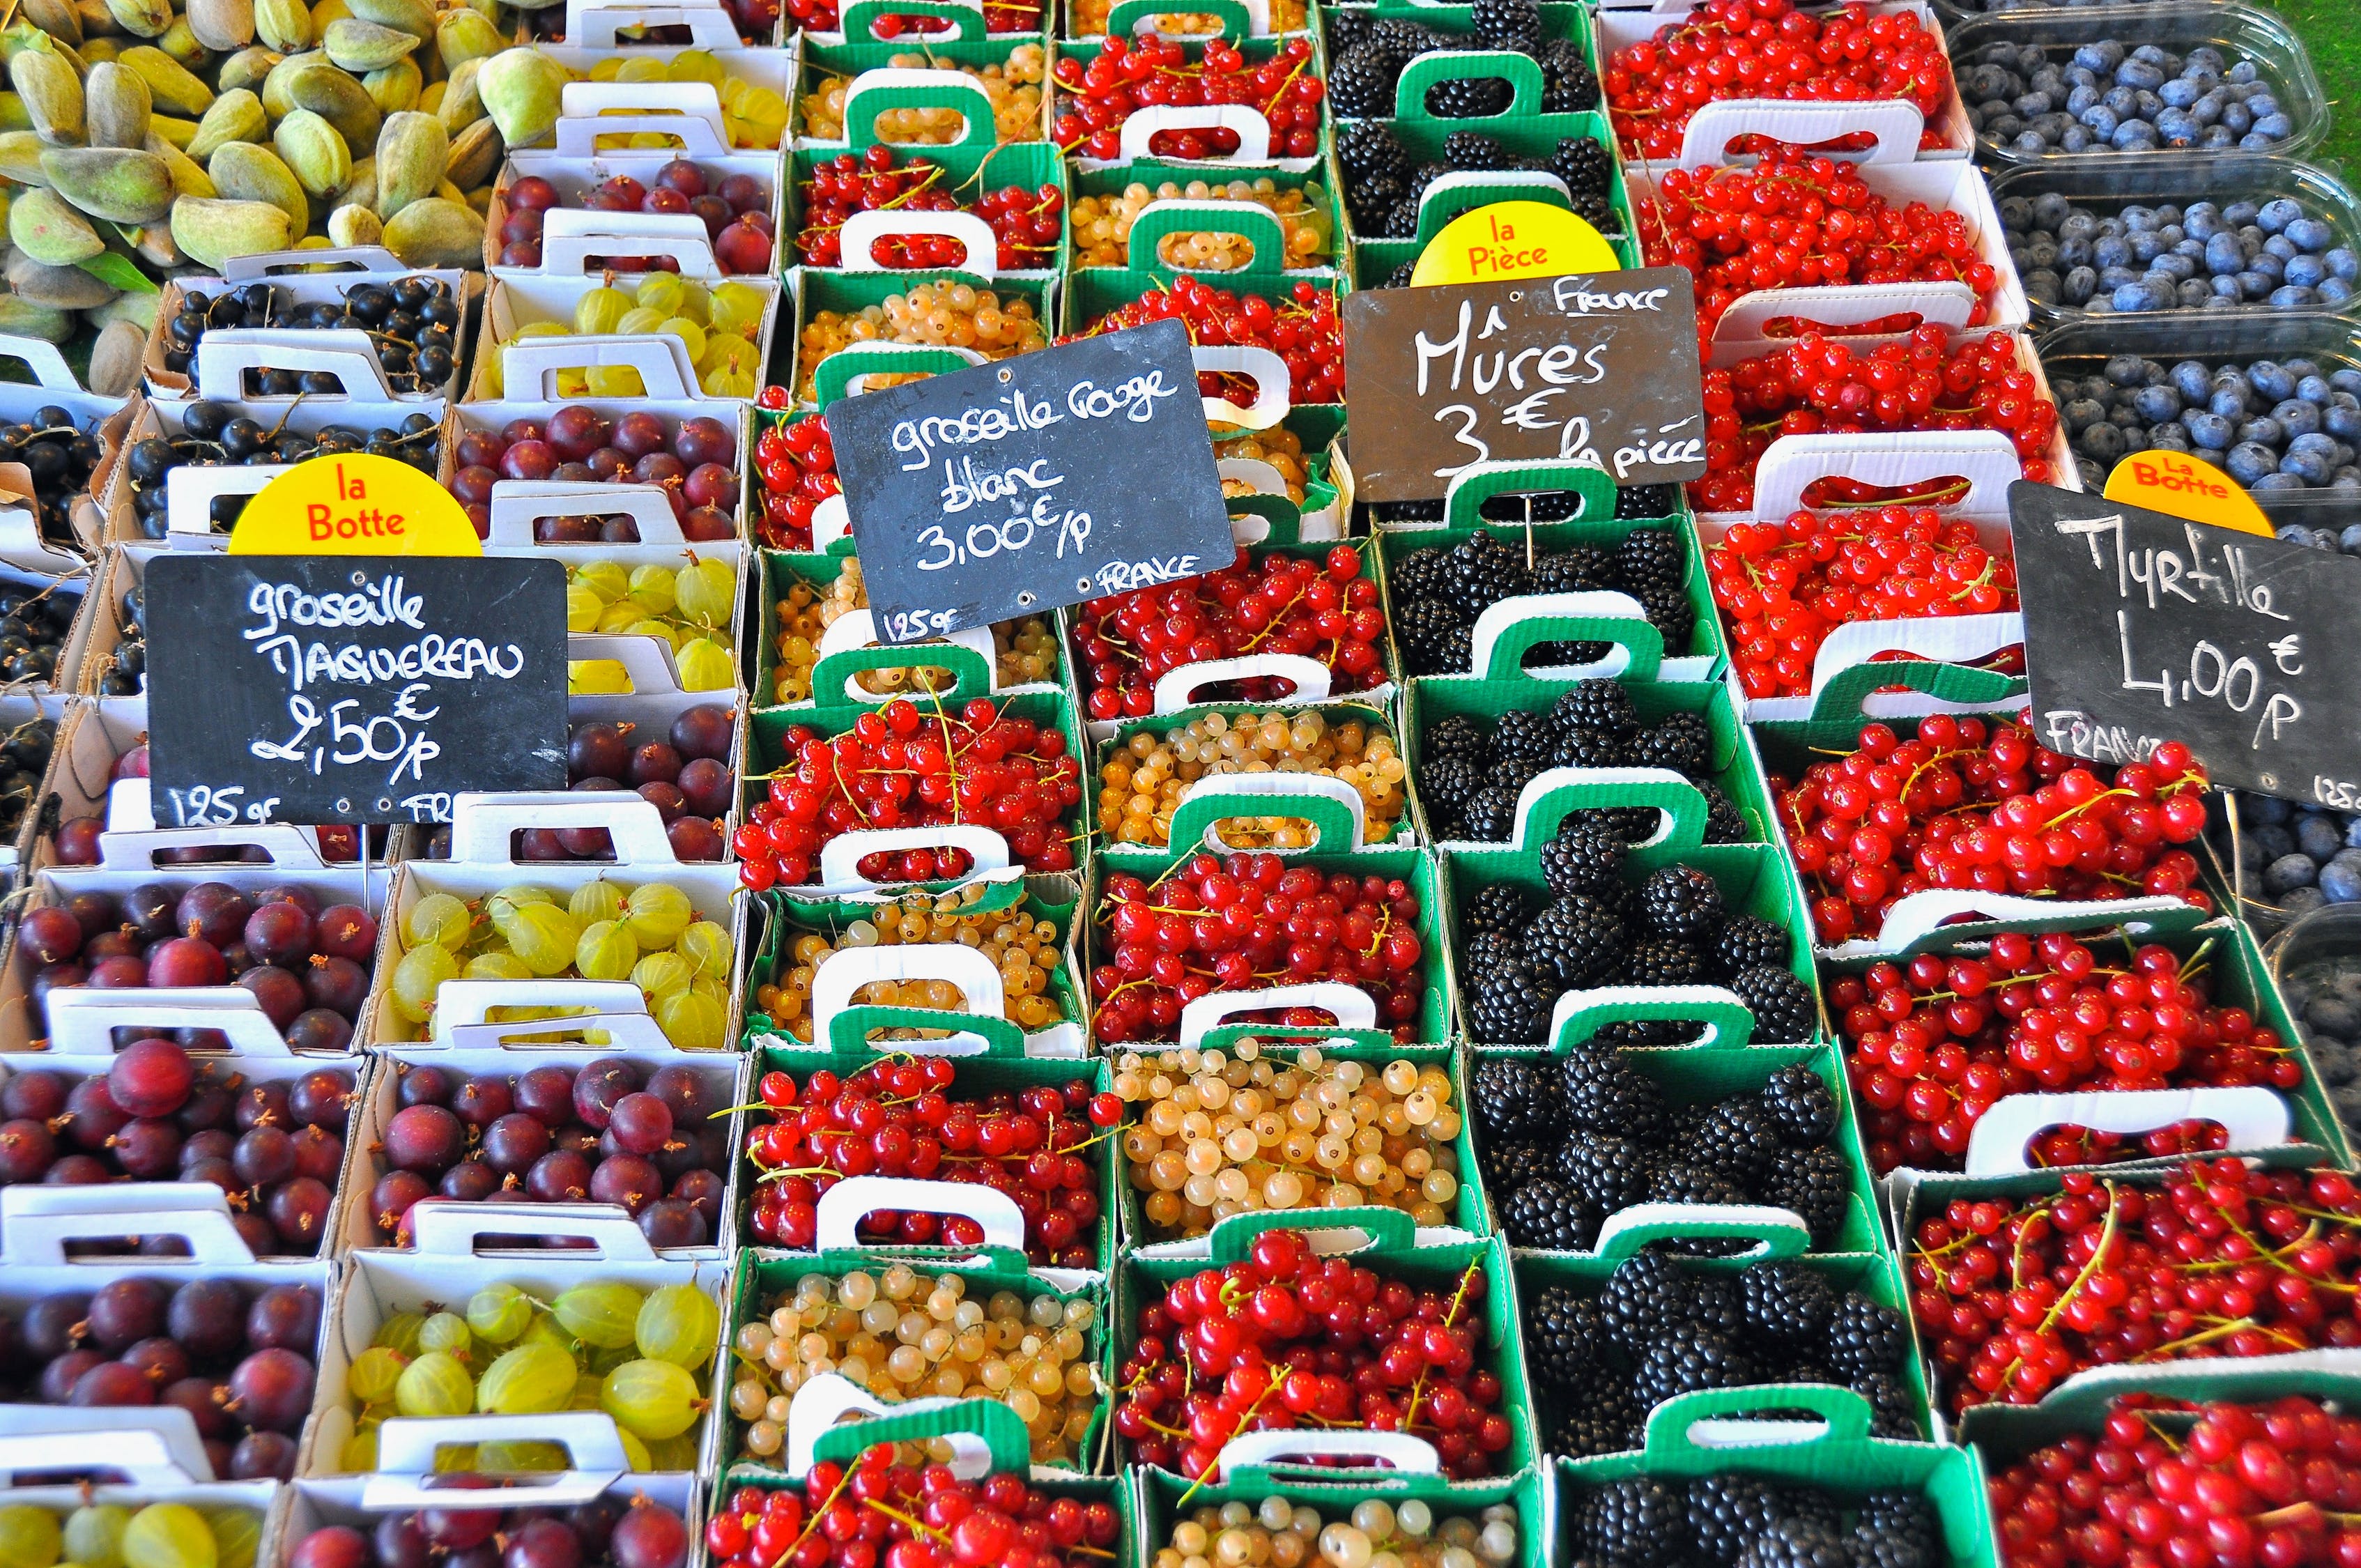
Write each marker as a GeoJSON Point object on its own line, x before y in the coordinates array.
{"type": "Point", "coordinates": [1027, 225]}
{"type": "Point", "coordinates": [1980, 804]}
{"type": "Point", "coordinates": [908, 1516]}
{"type": "Point", "coordinates": [306, 961]}
{"type": "Point", "coordinates": [916, 1117]}
{"type": "Point", "coordinates": [1289, 1339]}
{"type": "Point", "coordinates": [275, 1146]}
{"type": "Point", "coordinates": [904, 766]}
{"type": "Point", "coordinates": [2270, 1482]}
{"type": "Point", "coordinates": [2014, 1295]}
{"type": "Point", "coordinates": [694, 461]}
{"type": "Point", "coordinates": [796, 462]}
{"type": "Point", "coordinates": [1299, 326]}
{"type": "Point", "coordinates": [1128, 73]}
{"type": "Point", "coordinates": [237, 1357]}
{"type": "Point", "coordinates": [610, 1131]}
{"type": "Point", "coordinates": [734, 208]}
{"type": "Point", "coordinates": [608, 1532]}
{"type": "Point", "coordinates": [999, 17]}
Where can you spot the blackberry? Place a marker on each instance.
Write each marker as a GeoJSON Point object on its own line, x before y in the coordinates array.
{"type": "Point", "coordinates": [1599, 213]}
{"type": "Point", "coordinates": [1786, 1302]}
{"type": "Point", "coordinates": [1781, 1005]}
{"type": "Point", "coordinates": [1797, 1543]}
{"type": "Point", "coordinates": [1647, 1031]}
{"type": "Point", "coordinates": [1657, 961]}
{"type": "Point", "coordinates": [1633, 502]}
{"type": "Point", "coordinates": [1399, 34]}
{"type": "Point", "coordinates": [1348, 28]}
{"type": "Point", "coordinates": [1509, 1006]}
{"type": "Point", "coordinates": [1492, 815]}
{"type": "Point", "coordinates": [1505, 24]}
{"type": "Point", "coordinates": [1568, 1338]}
{"type": "Point", "coordinates": [1736, 1138]}
{"type": "Point", "coordinates": [1583, 858]}
{"type": "Point", "coordinates": [1670, 612]}
{"type": "Point", "coordinates": [1515, 773]}
{"type": "Point", "coordinates": [1521, 734]}
{"type": "Point", "coordinates": [1401, 275]}
{"type": "Point", "coordinates": [1424, 627]}
{"type": "Point", "coordinates": [1606, 1094]}
{"type": "Point", "coordinates": [1682, 742]}
{"type": "Point", "coordinates": [1890, 1406]}
{"type": "Point", "coordinates": [1647, 1293]}
{"type": "Point", "coordinates": [1587, 169]}
{"type": "Point", "coordinates": [1370, 199]}
{"type": "Point", "coordinates": [1634, 825]}
{"type": "Point", "coordinates": [1611, 1173]}
{"type": "Point", "coordinates": [1864, 1337]}
{"type": "Point", "coordinates": [1545, 1214]}
{"type": "Point", "coordinates": [1810, 1506]}
{"type": "Point", "coordinates": [1681, 901]}
{"type": "Point", "coordinates": [1575, 941]}
{"type": "Point", "coordinates": [1446, 785]}
{"type": "Point", "coordinates": [1400, 220]}
{"type": "Point", "coordinates": [1745, 942]}
{"type": "Point", "coordinates": [1684, 1361]}
{"type": "Point", "coordinates": [1366, 149]}
{"type": "Point", "coordinates": [1474, 151]}
{"type": "Point", "coordinates": [1896, 1529]}
{"type": "Point", "coordinates": [1585, 747]}
{"type": "Point", "coordinates": [1637, 1523]}
{"type": "Point", "coordinates": [1518, 1101]}
{"type": "Point", "coordinates": [1492, 949]}
{"type": "Point", "coordinates": [1568, 84]}
{"type": "Point", "coordinates": [1508, 1166]}
{"type": "Point", "coordinates": [1468, 98]}
{"type": "Point", "coordinates": [1497, 908]}
{"type": "Point", "coordinates": [1459, 650]}
{"type": "Point", "coordinates": [1814, 1183]}
{"type": "Point", "coordinates": [1416, 574]}
{"type": "Point", "coordinates": [1724, 823]}
{"type": "Point", "coordinates": [1602, 705]}
{"type": "Point", "coordinates": [1803, 1105]}
{"type": "Point", "coordinates": [1727, 1512]}
{"type": "Point", "coordinates": [1605, 1421]}
{"type": "Point", "coordinates": [1690, 1181]}
{"type": "Point", "coordinates": [1425, 175]}
{"type": "Point", "coordinates": [1529, 506]}
{"type": "Point", "coordinates": [1651, 557]}
{"type": "Point", "coordinates": [1458, 736]}
{"type": "Point", "coordinates": [1579, 570]}
{"type": "Point", "coordinates": [1361, 83]}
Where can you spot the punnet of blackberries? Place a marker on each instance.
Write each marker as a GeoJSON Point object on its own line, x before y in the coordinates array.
{"type": "Point", "coordinates": [1367, 58]}
{"type": "Point", "coordinates": [413, 323]}
{"type": "Point", "coordinates": [1521, 948]}
{"type": "Point", "coordinates": [217, 435]}
{"type": "Point", "coordinates": [1472, 773]}
{"type": "Point", "coordinates": [1565, 1142]}
{"type": "Point", "coordinates": [1736, 1519]}
{"type": "Point", "coordinates": [1605, 1355]}
{"type": "Point", "coordinates": [1438, 593]}
{"type": "Point", "coordinates": [59, 455]}
{"type": "Point", "coordinates": [1384, 184]}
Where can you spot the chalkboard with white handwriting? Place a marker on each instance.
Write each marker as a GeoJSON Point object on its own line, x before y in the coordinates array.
{"type": "Point", "coordinates": [1046, 479]}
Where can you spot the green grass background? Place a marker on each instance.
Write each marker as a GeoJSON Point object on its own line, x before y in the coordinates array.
{"type": "Point", "coordinates": [2332, 32]}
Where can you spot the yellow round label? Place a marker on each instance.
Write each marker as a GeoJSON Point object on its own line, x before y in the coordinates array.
{"type": "Point", "coordinates": [1512, 239]}
{"type": "Point", "coordinates": [2181, 486]}
{"type": "Point", "coordinates": [354, 503]}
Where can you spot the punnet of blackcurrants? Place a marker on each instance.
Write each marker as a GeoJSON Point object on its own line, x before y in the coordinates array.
{"type": "Point", "coordinates": [156, 1113]}
{"type": "Point", "coordinates": [694, 461]}
{"type": "Point", "coordinates": [610, 1131]}
{"type": "Point", "coordinates": [412, 325]}
{"type": "Point", "coordinates": [631, 1530]}
{"type": "Point", "coordinates": [223, 434]}
{"type": "Point", "coordinates": [60, 453]}
{"type": "Point", "coordinates": [34, 622]}
{"type": "Point", "coordinates": [25, 749]}
{"type": "Point", "coordinates": [734, 208]}
{"type": "Point", "coordinates": [305, 960]}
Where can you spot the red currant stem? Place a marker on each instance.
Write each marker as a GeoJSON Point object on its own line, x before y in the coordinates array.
{"type": "Point", "coordinates": [783, 1172]}
{"type": "Point", "coordinates": [1458, 1298]}
{"type": "Point", "coordinates": [2223, 1328]}
{"type": "Point", "coordinates": [1278, 1376]}
{"type": "Point", "coordinates": [1272, 624]}
{"type": "Point", "coordinates": [817, 1515]}
{"type": "Point", "coordinates": [916, 1526]}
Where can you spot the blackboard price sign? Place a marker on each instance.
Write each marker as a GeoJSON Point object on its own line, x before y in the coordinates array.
{"type": "Point", "coordinates": [2141, 627]}
{"type": "Point", "coordinates": [1046, 479]}
{"type": "Point", "coordinates": [1597, 368]}
{"type": "Point", "coordinates": [351, 688]}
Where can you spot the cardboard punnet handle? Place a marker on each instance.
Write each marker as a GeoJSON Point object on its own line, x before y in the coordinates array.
{"type": "Point", "coordinates": [1522, 72]}
{"type": "Point", "coordinates": [831, 524]}
{"type": "Point", "coordinates": [1354, 1008]}
{"type": "Point", "coordinates": [689, 111]}
{"type": "Point", "coordinates": [369, 258]}
{"type": "Point", "coordinates": [518, 504]}
{"type": "Point", "coordinates": [1178, 688]}
{"type": "Point", "coordinates": [224, 356]}
{"type": "Point", "coordinates": [444, 1229]}
{"type": "Point", "coordinates": [1845, 305]}
{"type": "Point", "coordinates": [49, 368]}
{"type": "Point", "coordinates": [980, 247]}
{"type": "Point", "coordinates": [1239, 18]}
{"type": "Point", "coordinates": [1265, 369]}
{"type": "Point", "coordinates": [1983, 457]}
{"type": "Point", "coordinates": [1292, 1034]}
{"type": "Point", "coordinates": [1250, 221]}
{"type": "Point", "coordinates": [860, 19]}
{"type": "Point", "coordinates": [1462, 501]}
{"type": "Point", "coordinates": [406, 1447]}
{"type": "Point", "coordinates": [571, 237]}
{"type": "Point", "coordinates": [1840, 702]}
{"type": "Point", "coordinates": [983, 995]}
{"type": "Point", "coordinates": [985, 1435]}
{"type": "Point", "coordinates": [1776, 1233]}
{"type": "Point", "coordinates": [1580, 1015]}
{"type": "Point", "coordinates": [463, 1002]}
{"type": "Point", "coordinates": [1143, 125]}
{"type": "Point", "coordinates": [480, 824]}
{"type": "Point", "coordinates": [590, 26]}
{"type": "Point", "coordinates": [837, 1217]}
{"type": "Point", "coordinates": [1916, 919]}
{"type": "Point", "coordinates": [848, 1032]}
{"type": "Point", "coordinates": [1384, 1229]}
{"type": "Point", "coordinates": [1552, 795]}
{"type": "Point", "coordinates": [190, 492]}
{"type": "Point", "coordinates": [36, 1223]}
{"type": "Point", "coordinates": [849, 646]}
{"type": "Point", "coordinates": [1845, 1415]}
{"type": "Point", "coordinates": [133, 835]}
{"type": "Point", "coordinates": [1252, 1455]}
{"type": "Point", "coordinates": [83, 1021]}
{"type": "Point", "coordinates": [1452, 195]}
{"type": "Point", "coordinates": [154, 1447]}
{"type": "Point", "coordinates": [1895, 125]}
{"type": "Point", "coordinates": [1332, 805]}
{"type": "Point", "coordinates": [529, 365]}
{"type": "Point", "coordinates": [1944, 640]}
{"type": "Point", "coordinates": [630, 1031]}
{"type": "Point", "coordinates": [907, 87]}
{"type": "Point", "coordinates": [840, 857]}
{"type": "Point", "coordinates": [2255, 1118]}
{"type": "Point", "coordinates": [1507, 630]}
{"type": "Point", "coordinates": [647, 661]}
{"type": "Point", "coordinates": [838, 375]}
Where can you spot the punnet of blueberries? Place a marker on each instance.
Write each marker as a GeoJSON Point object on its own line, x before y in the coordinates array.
{"type": "Point", "coordinates": [214, 435]}
{"type": "Point", "coordinates": [2294, 858]}
{"type": "Point", "coordinates": [413, 323]}
{"type": "Point", "coordinates": [2324, 994]}
{"type": "Point", "coordinates": [2111, 96]}
{"type": "Point", "coordinates": [2204, 256]}
{"type": "Point", "coordinates": [2273, 425]}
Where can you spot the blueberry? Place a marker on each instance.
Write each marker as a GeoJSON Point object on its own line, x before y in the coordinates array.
{"type": "Point", "coordinates": [2334, 290]}
{"type": "Point", "coordinates": [2102, 443]}
{"type": "Point", "coordinates": [2265, 431]}
{"type": "Point", "coordinates": [2080, 283]}
{"type": "Point", "coordinates": [2030, 144]}
{"type": "Point", "coordinates": [2230, 403]}
{"type": "Point", "coordinates": [2289, 297]}
{"type": "Point", "coordinates": [2320, 835]}
{"type": "Point", "coordinates": [2313, 389]}
{"type": "Point", "coordinates": [2306, 468]}
{"type": "Point", "coordinates": [2082, 414]}
{"type": "Point", "coordinates": [2156, 405]}
{"type": "Point", "coordinates": [2278, 245]}
{"type": "Point", "coordinates": [2344, 262]}
{"type": "Point", "coordinates": [2122, 100]}
{"type": "Point", "coordinates": [2332, 1015]}
{"type": "Point", "coordinates": [2210, 431]}
{"type": "Point", "coordinates": [2238, 215]}
{"type": "Point", "coordinates": [2349, 542]}
{"type": "Point", "coordinates": [2112, 251]}
{"type": "Point", "coordinates": [2343, 422]}
{"type": "Point", "coordinates": [2188, 380]}
{"type": "Point", "coordinates": [2272, 840]}
{"type": "Point", "coordinates": [2300, 902]}
{"type": "Point", "coordinates": [2249, 461]}
{"type": "Point", "coordinates": [2288, 872]}
{"type": "Point", "coordinates": [2296, 416]}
